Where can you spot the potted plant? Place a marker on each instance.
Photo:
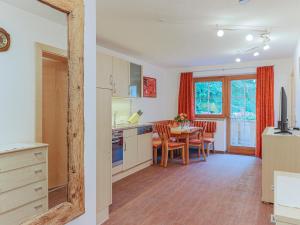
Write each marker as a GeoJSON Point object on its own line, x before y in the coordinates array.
{"type": "Point", "coordinates": [182, 119]}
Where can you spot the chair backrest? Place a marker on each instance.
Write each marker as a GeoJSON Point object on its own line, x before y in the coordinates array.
{"type": "Point", "coordinates": [162, 122]}
{"type": "Point", "coordinates": [166, 122]}
{"type": "Point", "coordinates": [203, 125]}
{"type": "Point", "coordinates": [211, 126]}
{"type": "Point", "coordinates": [163, 130]}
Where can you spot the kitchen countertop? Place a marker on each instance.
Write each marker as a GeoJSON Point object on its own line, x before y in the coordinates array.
{"type": "Point", "coordinates": [130, 126]}
{"type": "Point", "coordinates": [8, 148]}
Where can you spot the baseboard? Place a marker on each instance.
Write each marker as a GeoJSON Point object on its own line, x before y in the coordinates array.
{"type": "Point", "coordinates": [102, 216]}
{"type": "Point", "coordinates": [217, 151]}
{"type": "Point", "coordinates": [241, 152]}
{"type": "Point", "coordinates": [123, 174]}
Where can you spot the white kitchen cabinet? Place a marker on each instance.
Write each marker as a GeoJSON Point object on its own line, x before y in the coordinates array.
{"type": "Point", "coordinates": [121, 78]}
{"type": "Point", "coordinates": [145, 147]}
{"type": "Point", "coordinates": [131, 156]}
{"type": "Point", "coordinates": [104, 71]}
{"type": "Point", "coordinates": [104, 149]}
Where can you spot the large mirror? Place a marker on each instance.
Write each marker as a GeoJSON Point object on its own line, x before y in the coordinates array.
{"type": "Point", "coordinates": [41, 94]}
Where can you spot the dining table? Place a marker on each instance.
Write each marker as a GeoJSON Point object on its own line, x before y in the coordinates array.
{"type": "Point", "coordinates": [184, 133]}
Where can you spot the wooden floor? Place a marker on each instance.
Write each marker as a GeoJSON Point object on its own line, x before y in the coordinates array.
{"type": "Point", "coordinates": [225, 190]}
{"type": "Point", "coordinates": [57, 196]}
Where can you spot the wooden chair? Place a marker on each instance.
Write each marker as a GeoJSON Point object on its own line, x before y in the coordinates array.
{"type": "Point", "coordinates": [209, 141]}
{"type": "Point", "coordinates": [208, 135]}
{"type": "Point", "coordinates": [198, 141]}
{"type": "Point", "coordinates": [164, 132]}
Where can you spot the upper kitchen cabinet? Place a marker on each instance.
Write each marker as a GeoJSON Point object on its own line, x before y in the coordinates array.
{"type": "Point", "coordinates": [121, 78]}
{"type": "Point", "coordinates": [135, 80]}
{"type": "Point", "coordinates": [104, 71]}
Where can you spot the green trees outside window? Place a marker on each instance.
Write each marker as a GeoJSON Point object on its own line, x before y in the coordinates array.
{"type": "Point", "coordinates": [243, 99]}
{"type": "Point", "coordinates": [209, 98]}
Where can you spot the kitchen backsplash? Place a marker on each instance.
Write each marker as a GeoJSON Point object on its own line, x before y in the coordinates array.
{"type": "Point", "coordinates": [121, 110]}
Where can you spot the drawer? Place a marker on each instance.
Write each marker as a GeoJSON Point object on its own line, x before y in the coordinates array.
{"type": "Point", "coordinates": [19, 159]}
{"type": "Point", "coordinates": [24, 213]}
{"type": "Point", "coordinates": [129, 132]}
{"type": "Point", "coordinates": [18, 178]}
{"type": "Point", "coordinates": [22, 196]}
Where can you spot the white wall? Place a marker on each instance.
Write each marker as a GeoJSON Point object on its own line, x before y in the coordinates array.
{"type": "Point", "coordinates": [18, 77]}
{"type": "Point", "coordinates": [283, 70]}
{"type": "Point", "coordinates": [165, 105]}
{"type": "Point", "coordinates": [89, 115]}
{"type": "Point", "coordinates": [297, 84]}
{"type": "Point", "coordinates": [220, 135]}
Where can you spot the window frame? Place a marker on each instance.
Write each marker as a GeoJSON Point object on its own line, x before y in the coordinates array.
{"type": "Point", "coordinates": [224, 96]}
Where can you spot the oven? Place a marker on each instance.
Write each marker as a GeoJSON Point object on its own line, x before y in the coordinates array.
{"type": "Point", "coordinates": [117, 147]}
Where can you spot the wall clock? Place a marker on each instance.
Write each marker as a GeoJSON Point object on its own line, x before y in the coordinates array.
{"type": "Point", "coordinates": [4, 40]}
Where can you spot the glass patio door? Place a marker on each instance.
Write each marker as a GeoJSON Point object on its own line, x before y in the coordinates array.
{"type": "Point", "coordinates": [242, 115]}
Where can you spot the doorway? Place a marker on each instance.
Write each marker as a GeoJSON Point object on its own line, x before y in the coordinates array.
{"type": "Point", "coordinates": [241, 120]}
{"type": "Point", "coordinates": [52, 114]}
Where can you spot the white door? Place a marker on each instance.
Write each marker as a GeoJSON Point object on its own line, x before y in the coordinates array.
{"type": "Point", "coordinates": [104, 149]}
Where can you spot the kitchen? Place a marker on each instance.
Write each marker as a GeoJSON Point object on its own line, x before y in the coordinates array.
{"type": "Point", "coordinates": [128, 147]}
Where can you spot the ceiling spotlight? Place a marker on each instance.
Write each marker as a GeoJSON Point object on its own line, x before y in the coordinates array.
{"type": "Point", "coordinates": [238, 60]}
{"type": "Point", "coordinates": [266, 47]}
{"type": "Point", "coordinates": [220, 33]}
{"type": "Point", "coordinates": [256, 54]}
{"type": "Point", "coordinates": [249, 37]}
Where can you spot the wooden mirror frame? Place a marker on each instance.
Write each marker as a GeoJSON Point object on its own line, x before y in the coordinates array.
{"type": "Point", "coordinates": [75, 207]}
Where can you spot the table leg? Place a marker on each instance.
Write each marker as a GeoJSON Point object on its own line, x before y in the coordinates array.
{"type": "Point", "coordinates": [187, 150]}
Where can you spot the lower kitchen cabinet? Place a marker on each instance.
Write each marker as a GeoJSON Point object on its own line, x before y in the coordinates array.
{"type": "Point", "coordinates": [130, 149]}
{"type": "Point", "coordinates": [145, 147]}
{"type": "Point", "coordinates": [137, 148]}
{"type": "Point", "coordinates": [137, 151]}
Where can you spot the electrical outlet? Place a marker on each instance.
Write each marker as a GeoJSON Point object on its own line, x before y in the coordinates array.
{"type": "Point", "coordinates": [272, 187]}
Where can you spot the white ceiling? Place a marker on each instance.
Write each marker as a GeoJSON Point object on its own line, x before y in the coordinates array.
{"type": "Point", "coordinates": [40, 9]}
{"type": "Point", "coordinates": [179, 33]}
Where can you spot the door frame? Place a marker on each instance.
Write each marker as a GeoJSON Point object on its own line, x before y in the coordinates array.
{"type": "Point", "coordinates": [235, 149]}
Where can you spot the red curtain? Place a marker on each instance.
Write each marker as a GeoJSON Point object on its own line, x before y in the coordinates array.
{"type": "Point", "coordinates": [264, 103]}
{"type": "Point", "coordinates": [186, 95]}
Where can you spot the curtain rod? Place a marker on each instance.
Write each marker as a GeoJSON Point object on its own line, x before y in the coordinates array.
{"type": "Point", "coordinates": [224, 69]}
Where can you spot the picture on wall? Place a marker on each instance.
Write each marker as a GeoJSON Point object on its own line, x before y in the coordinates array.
{"type": "Point", "coordinates": [149, 87]}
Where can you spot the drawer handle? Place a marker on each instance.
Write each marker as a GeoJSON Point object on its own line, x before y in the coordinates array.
{"type": "Point", "coordinates": [38, 189]}
{"type": "Point", "coordinates": [38, 153]}
{"type": "Point", "coordinates": [38, 171]}
{"type": "Point", "coordinates": [38, 207]}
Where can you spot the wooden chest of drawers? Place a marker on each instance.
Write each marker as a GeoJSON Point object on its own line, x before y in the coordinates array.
{"type": "Point", "coordinates": [23, 182]}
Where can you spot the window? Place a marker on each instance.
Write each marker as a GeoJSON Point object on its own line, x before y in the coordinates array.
{"type": "Point", "coordinates": [209, 97]}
